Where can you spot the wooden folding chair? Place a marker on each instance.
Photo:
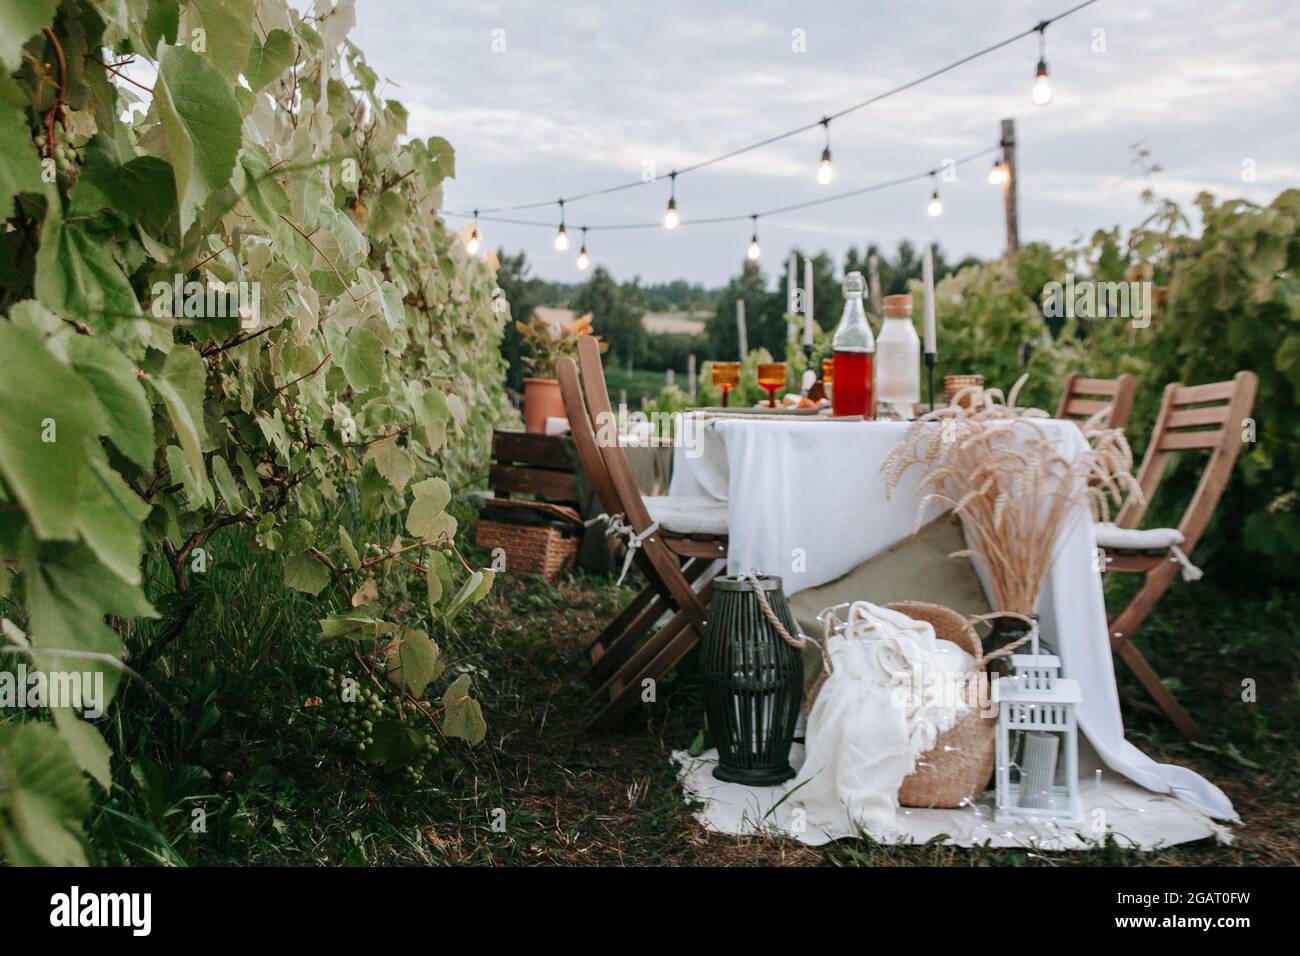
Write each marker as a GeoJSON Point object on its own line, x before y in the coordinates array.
{"type": "Point", "coordinates": [1191, 418]}
{"type": "Point", "coordinates": [1084, 397]}
{"type": "Point", "coordinates": [665, 541]}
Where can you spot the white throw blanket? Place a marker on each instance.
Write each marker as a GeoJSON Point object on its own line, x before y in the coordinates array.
{"type": "Point", "coordinates": [883, 706]}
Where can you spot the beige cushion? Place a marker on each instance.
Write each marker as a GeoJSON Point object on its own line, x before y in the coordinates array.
{"type": "Point", "coordinates": [687, 514]}
{"type": "Point", "coordinates": [1133, 539]}
{"type": "Point", "coordinates": [915, 569]}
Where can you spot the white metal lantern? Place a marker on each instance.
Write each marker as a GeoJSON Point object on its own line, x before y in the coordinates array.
{"type": "Point", "coordinates": [1038, 743]}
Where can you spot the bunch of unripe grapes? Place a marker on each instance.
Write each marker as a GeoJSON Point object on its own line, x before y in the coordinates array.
{"type": "Point", "coordinates": [60, 149]}
{"type": "Point", "coordinates": [354, 720]}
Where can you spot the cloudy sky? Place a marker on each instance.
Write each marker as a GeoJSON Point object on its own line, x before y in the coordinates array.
{"type": "Point", "coordinates": [586, 94]}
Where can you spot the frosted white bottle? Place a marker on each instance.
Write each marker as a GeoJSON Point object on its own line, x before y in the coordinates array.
{"type": "Point", "coordinates": [898, 356]}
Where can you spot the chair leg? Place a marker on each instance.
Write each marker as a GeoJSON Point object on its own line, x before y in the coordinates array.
{"type": "Point", "coordinates": [624, 694]}
{"type": "Point", "coordinates": [624, 639]}
{"type": "Point", "coordinates": [620, 623]}
{"type": "Point", "coordinates": [1122, 628]}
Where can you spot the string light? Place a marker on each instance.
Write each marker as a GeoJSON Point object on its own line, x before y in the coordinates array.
{"type": "Point", "coordinates": [671, 218]}
{"type": "Point", "coordinates": [583, 259]}
{"type": "Point", "coordinates": [561, 237]}
{"type": "Point", "coordinates": [998, 175]}
{"type": "Point", "coordinates": [825, 173]}
{"type": "Point", "coordinates": [1042, 87]}
{"type": "Point", "coordinates": [754, 249]}
{"type": "Point", "coordinates": [935, 209]}
{"type": "Point", "coordinates": [474, 239]}
{"type": "Point", "coordinates": [1039, 28]}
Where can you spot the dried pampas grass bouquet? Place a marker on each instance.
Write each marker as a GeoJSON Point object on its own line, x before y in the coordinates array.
{"type": "Point", "coordinates": [1010, 482]}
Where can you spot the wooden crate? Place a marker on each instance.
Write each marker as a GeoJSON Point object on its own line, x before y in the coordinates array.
{"type": "Point", "coordinates": [538, 465]}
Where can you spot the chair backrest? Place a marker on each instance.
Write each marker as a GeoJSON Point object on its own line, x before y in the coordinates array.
{"type": "Point", "coordinates": [1195, 418]}
{"type": "Point", "coordinates": [1084, 397]}
{"type": "Point", "coordinates": [584, 437]}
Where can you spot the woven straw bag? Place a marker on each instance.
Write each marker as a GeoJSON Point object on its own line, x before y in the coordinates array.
{"type": "Point", "coordinates": [960, 764]}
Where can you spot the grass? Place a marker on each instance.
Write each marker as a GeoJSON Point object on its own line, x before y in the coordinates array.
{"type": "Point", "coordinates": [640, 385]}
{"type": "Point", "coordinates": [274, 787]}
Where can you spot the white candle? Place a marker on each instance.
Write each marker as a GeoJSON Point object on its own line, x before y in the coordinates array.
{"type": "Point", "coordinates": [808, 302]}
{"type": "Point", "coordinates": [927, 276]}
{"type": "Point", "coordinates": [792, 285]}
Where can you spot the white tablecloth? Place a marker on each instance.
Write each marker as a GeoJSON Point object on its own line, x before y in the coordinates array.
{"type": "Point", "coordinates": [806, 501]}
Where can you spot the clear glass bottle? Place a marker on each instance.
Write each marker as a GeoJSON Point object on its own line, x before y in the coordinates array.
{"type": "Point", "coordinates": [898, 363]}
{"type": "Point", "coordinates": [854, 350]}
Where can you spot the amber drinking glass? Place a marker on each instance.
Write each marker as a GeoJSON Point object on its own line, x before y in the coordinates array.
{"type": "Point", "coordinates": [726, 376]}
{"type": "Point", "coordinates": [771, 376]}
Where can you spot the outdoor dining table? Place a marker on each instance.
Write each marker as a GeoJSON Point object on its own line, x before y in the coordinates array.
{"type": "Point", "coordinates": [806, 500]}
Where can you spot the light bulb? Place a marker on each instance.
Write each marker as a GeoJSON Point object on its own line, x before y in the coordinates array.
{"type": "Point", "coordinates": [561, 240]}
{"type": "Point", "coordinates": [583, 259]}
{"type": "Point", "coordinates": [472, 245]}
{"type": "Point", "coordinates": [936, 207]}
{"type": "Point", "coordinates": [825, 172]}
{"type": "Point", "coordinates": [670, 217]}
{"type": "Point", "coordinates": [754, 249]}
{"type": "Point", "coordinates": [1042, 87]}
{"type": "Point", "coordinates": [998, 174]}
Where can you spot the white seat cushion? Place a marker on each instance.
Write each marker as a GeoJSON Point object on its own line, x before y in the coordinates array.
{"type": "Point", "coordinates": [1131, 539]}
{"type": "Point", "coordinates": [687, 514]}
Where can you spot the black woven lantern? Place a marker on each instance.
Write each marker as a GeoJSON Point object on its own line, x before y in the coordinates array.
{"type": "Point", "coordinates": [753, 682]}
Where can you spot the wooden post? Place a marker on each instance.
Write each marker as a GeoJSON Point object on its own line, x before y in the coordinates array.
{"type": "Point", "coordinates": [670, 378]}
{"type": "Point", "coordinates": [873, 273]}
{"type": "Point", "coordinates": [741, 330]}
{"type": "Point", "coordinates": [690, 377]}
{"type": "Point", "coordinates": [1010, 186]}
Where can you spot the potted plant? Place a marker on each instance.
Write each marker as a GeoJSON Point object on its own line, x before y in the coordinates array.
{"type": "Point", "coordinates": [545, 347]}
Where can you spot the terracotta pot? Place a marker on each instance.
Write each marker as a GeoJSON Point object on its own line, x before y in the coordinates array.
{"type": "Point", "coordinates": [542, 400]}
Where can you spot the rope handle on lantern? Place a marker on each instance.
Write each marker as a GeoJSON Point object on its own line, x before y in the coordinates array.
{"type": "Point", "coordinates": [798, 643]}
{"type": "Point", "coordinates": [1006, 650]}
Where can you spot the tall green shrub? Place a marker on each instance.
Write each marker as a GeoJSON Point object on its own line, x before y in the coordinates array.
{"type": "Point", "coordinates": [259, 149]}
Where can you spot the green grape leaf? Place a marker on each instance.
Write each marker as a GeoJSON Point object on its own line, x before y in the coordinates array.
{"type": "Point", "coordinates": [229, 25]}
{"type": "Point", "coordinates": [111, 376]}
{"type": "Point", "coordinates": [431, 496]}
{"type": "Point", "coordinates": [47, 418]}
{"type": "Point", "coordinates": [304, 573]}
{"type": "Point", "coordinates": [180, 385]}
{"type": "Point", "coordinates": [464, 595]}
{"type": "Point", "coordinates": [395, 742]}
{"type": "Point", "coordinates": [356, 626]}
{"type": "Point", "coordinates": [414, 662]}
{"type": "Point", "coordinates": [201, 127]}
{"type": "Point", "coordinates": [462, 715]}
{"type": "Point", "coordinates": [437, 578]}
{"type": "Point", "coordinates": [363, 359]}
{"type": "Point", "coordinates": [226, 484]}
{"type": "Point", "coordinates": [77, 276]}
{"type": "Point", "coordinates": [392, 461]}
{"type": "Point", "coordinates": [349, 549]}
{"type": "Point", "coordinates": [19, 21]}
{"type": "Point", "coordinates": [20, 164]}
{"type": "Point", "coordinates": [268, 61]}
{"type": "Point", "coordinates": [87, 745]}
{"type": "Point", "coordinates": [109, 514]}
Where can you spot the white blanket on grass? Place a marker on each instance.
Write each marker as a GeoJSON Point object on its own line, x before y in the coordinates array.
{"type": "Point", "coordinates": [877, 712]}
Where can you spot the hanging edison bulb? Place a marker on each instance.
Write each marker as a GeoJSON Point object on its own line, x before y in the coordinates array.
{"type": "Point", "coordinates": [1042, 86]}
{"type": "Point", "coordinates": [561, 237]}
{"type": "Point", "coordinates": [998, 174]}
{"type": "Point", "coordinates": [671, 219]}
{"type": "Point", "coordinates": [935, 208]}
{"type": "Point", "coordinates": [825, 172]}
{"type": "Point", "coordinates": [583, 259]}
{"type": "Point", "coordinates": [471, 246]}
{"type": "Point", "coordinates": [755, 250]}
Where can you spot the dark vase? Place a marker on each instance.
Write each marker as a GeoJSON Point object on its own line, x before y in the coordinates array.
{"type": "Point", "coordinates": [1004, 631]}
{"type": "Point", "coordinates": [752, 682]}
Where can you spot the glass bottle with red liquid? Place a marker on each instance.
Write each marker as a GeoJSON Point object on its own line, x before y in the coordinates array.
{"type": "Point", "coordinates": [854, 350]}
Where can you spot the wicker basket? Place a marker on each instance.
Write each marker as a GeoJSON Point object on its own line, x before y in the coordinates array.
{"type": "Point", "coordinates": [960, 764]}
{"type": "Point", "coordinates": [537, 537]}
